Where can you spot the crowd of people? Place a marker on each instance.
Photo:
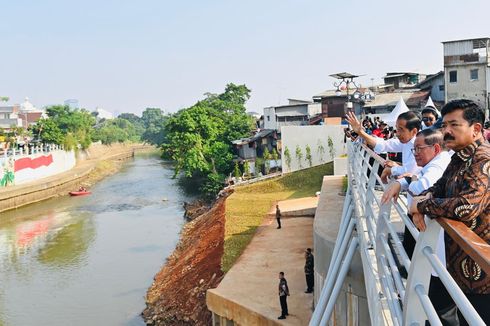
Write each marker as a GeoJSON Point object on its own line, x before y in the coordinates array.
{"type": "Point", "coordinates": [445, 168]}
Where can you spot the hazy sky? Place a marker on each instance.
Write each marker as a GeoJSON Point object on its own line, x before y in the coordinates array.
{"type": "Point", "coordinates": [124, 56]}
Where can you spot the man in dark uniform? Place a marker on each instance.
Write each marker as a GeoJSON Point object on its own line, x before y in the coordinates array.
{"type": "Point", "coordinates": [309, 264]}
{"type": "Point", "coordinates": [283, 294]}
{"type": "Point", "coordinates": [278, 216]}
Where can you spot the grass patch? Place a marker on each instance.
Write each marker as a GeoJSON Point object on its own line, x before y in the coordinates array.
{"type": "Point", "coordinates": [247, 206]}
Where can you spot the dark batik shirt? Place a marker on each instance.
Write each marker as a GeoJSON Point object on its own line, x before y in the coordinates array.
{"type": "Point", "coordinates": [462, 194]}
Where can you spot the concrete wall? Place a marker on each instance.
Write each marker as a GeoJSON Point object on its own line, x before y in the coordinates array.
{"type": "Point", "coordinates": [351, 307]}
{"type": "Point", "coordinates": [475, 90]}
{"type": "Point", "coordinates": [28, 168]}
{"type": "Point", "coordinates": [315, 137]}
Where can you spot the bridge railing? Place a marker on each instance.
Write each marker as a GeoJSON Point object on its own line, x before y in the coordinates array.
{"type": "Point", "coordinates": [372, 227]}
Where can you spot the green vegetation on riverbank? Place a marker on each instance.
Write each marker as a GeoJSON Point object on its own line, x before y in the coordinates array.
{"type": "Point", "coordinates": [247, 206]}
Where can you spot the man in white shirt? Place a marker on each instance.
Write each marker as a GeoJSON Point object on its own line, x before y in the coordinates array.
{"type": "Point", "coordinates": [407, 126]}
{"type": "Point", "coordinates": [429, 154]}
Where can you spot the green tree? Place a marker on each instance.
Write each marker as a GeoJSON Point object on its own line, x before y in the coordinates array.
{"type": "Point", "coordinates": [236, 171]}
{"type": "Point", "coordinates": [320, 150]}
{"type": "Point", "coordinates": [153, 121]}
{"type": "Point", "coordinates": [246, 169]}
{"type": "Point", "coordinates": [299, 156]}
{"type": "Point", "coordinates": [48, 131]}
{"type": "Point", "coordinates": [198, 138]}
{"type": "Point", "coordinates": [287, 156]}
{"type": "Point", "coordinates": [267, 157]}
{"type": "Point", "coordinates": [308, 156]}
{"type": "Point", "coordinates": [275, 156]}
{"type": "Point", "coordinates": [331, 148]}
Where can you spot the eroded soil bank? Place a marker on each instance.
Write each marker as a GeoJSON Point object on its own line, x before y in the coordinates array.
{"type": "Point", "coordinates": [178, 293]}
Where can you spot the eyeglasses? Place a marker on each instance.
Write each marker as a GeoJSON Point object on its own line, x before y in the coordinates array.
{"type": "Point", "coordinates": [425, 119]}
{"type": "Point", "coordinates": [419, 148]}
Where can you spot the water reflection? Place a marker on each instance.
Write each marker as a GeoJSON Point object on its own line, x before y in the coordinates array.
{"type": "Point", "coordinates": [89, 260]}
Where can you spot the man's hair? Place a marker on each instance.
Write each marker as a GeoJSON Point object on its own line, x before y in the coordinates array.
{"type": "Point", "coordinates": [412, 120]}
{"type": "Point", "coordinates": [432, 136]}
{"type": "Point", "coordinates": [430, 110]}
{"type": "Point", "coordinates": [308, 249]}
{"type": "Point", "coordinates": [472, 112]}
{"type": "Point", "coordinates": [282, 273]}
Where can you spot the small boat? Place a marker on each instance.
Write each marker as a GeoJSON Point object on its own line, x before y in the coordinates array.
{"type": "Point", "coordinates": [79, 193]}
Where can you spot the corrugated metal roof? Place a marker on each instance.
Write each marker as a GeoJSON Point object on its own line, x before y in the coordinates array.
{"type": "Point", "coordinates": [388, 99]}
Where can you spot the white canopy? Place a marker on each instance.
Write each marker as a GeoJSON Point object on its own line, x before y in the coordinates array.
{"type": "Point", "coordinates": [431, 105]}
{"type": "Point", "coordinates": [400, 108]}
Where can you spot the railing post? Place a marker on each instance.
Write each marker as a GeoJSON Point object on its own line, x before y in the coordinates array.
{"type": "Point", "coordinates": [419, 275]}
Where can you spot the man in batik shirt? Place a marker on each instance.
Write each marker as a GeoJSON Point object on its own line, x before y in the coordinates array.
{"type": "Point", "coordinates": [462, 194]}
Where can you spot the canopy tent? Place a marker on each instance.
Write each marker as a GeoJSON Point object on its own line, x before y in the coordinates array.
{"type": "Point", "coordinates": [430, 104]}
{"type": "Point", "coordinates": [400, 108]}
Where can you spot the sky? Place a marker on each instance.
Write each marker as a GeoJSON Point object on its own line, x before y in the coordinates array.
{"type": "Point", "coordinates": [125, 56]}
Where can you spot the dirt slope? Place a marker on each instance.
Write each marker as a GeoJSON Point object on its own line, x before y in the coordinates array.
{"type": "Point", "coordinates": [178, 293]}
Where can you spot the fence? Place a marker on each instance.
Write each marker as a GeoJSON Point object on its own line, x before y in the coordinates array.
{"type": "Point", "coordinates": [372, 228]}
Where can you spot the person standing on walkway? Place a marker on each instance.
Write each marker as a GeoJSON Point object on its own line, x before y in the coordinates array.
{"type": "Point", "coordinates": [278, 216]}
{"type": "Point", "coordinates": [309, 264]}
{"type": "Point", "coordinates": [283, 294]}
{"type": "Point", "coordinates": [462, 194]}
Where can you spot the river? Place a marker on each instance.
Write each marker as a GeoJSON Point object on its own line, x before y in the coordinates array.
{"type": "Point", "coordinates": [89, 260]}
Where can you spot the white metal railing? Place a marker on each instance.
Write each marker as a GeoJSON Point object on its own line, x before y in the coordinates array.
{"type": "Point", "coordinates": [372, 227]}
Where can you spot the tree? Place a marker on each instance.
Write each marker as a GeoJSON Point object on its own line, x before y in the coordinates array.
{"type": "Point", "coordinates": [287, 156]}
{"type": "Point", "coordinates": [236, 171]}
{"type": "Point", "coordinates": [331, 148]}
{"type": "Point", "coordinates": [320, 150]}
{"type": "Point", "coordinates": [308, 156]}
{"type": "Point", "coordinates": [198, 138]}
{"type": "Point", "coordinates": [267, 158]}
{"type": "Point", "coordinates": [299, 156]}
{"type": "Point", "coordinates": [275, 156]}
{"type": "Point", "coordinates": [153, 121]}
{"type": "Point", "coordinates": [48, 131]}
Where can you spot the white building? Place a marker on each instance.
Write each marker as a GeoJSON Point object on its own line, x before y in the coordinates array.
{"type": "Point", "coordinates": [104, 114]}
{"type": "Point", "coordinates": [296, 113]}
{"type": "Point", "coordinates": [72, 103]}
{"type": "Point", "coordinates": [467, 70]}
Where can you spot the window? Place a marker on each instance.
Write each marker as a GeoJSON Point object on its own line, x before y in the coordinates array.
{"type": "Point", "coordinates": [453, 76]}
{"type": "Point", "coordinates": [474, 74]}
{"type": "Point", "coordinates": [441, 88]}
{"type": "Point", "coordinates": [268, 118]}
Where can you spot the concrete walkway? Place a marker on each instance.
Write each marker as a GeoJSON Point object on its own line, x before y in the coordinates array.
{"type": "Point", "coordinates": [248, 293]}
{"type": "Point", "coordinates": [305, 206]}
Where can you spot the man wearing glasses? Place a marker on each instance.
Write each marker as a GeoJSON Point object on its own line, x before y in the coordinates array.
{"type": "Point", "coordinates": [462, 194]}
{"type": "Point", "coordinates": [430, 155]}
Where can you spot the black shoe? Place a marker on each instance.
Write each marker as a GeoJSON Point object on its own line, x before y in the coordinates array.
{"type": "Point", "coordinates": [281, 317]}
{"type": "Point", "coordinates": [278, 227]}
{"type": "Point", "coordinates": [309, 291]}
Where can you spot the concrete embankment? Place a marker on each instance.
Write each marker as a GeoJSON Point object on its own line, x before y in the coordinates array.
{"type": "Point", "coordinates": [85, 172]}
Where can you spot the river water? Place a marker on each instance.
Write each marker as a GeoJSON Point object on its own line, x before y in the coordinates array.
{"type": "Point", "coordinates": [89, 260]}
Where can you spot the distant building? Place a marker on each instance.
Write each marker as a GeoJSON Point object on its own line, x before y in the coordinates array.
{"type": "Point", "coordinates": [254, 146]}
{"type": "Point", "coordinates": [72, 103]}
{"type": "Point", "coordinates": [467, 70]}
{"type": "Point", "coordinates": [397, 80]}
{"type": "Point", "coordinates": [104, 114]}
{"type": "Point", "coordinates": [9, 116]}
{"type": "Point", "coordinates": [435, 85]}
{"type": "Point", "coordinates": [296, 113]}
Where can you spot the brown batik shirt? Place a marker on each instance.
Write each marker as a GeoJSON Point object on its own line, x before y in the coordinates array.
{"type": "Point", "coordinates": [462, 194]}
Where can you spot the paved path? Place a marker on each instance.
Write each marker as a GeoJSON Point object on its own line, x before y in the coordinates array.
{"type": "Point", "coordinates": [250, 287]}
{"type": "Point", "coordinates": [305, 206]}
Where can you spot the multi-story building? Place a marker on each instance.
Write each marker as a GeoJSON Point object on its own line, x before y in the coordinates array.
{"type": "Point", "coordinates": [9, 117]}
{"type": "Point", "coordinates": [467, 70]}
{"type": "Point", "coordinates": [296, 113]}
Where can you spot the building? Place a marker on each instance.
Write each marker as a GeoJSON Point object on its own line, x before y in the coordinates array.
{"type": "Point", "coordinates": [104, 114]}
{"type": "Point", "coordinates": [9, 116]}
{"type": "Point", "coordinates": [435, 84]}
{"type": "Point", "coordinates": [397, 80]}
{"type": "Point", "coordinates": [72, 103]}
{"type": "Point", "coordinates": [252, 147]}
{"type": "Point", "coordinates": [466, 70]}
{"type": "Point", "coordinates": [334, 103]}
{"type": "Point", "coordinates": [296, 113]}
{"type": "Point", "coordinates": [29, 114]}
